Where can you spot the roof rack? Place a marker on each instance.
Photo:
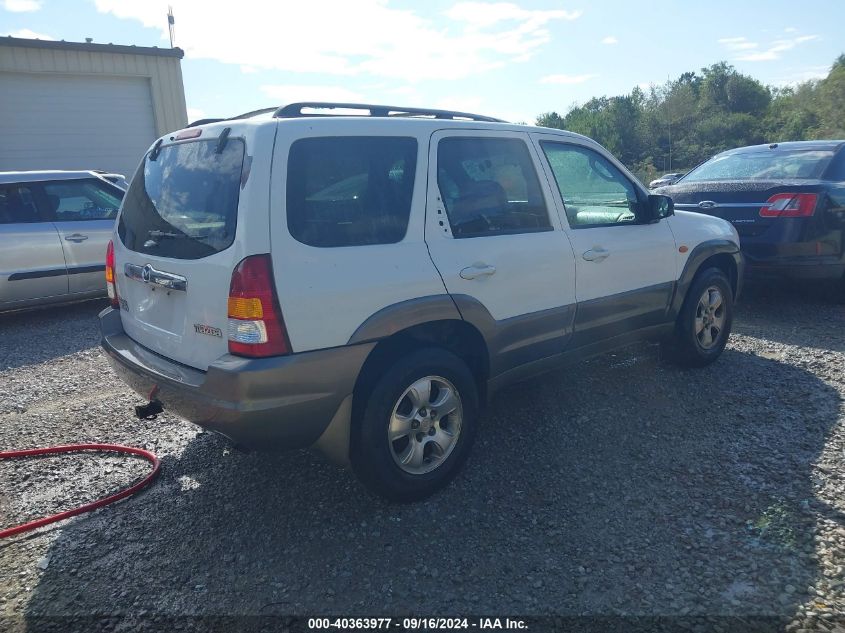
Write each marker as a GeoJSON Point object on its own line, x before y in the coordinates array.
{"type": "Point", "coordinates": [252, 113]}
{"type": "Point", "coordinates": [295, 110]}
{"type": "Point", "coordinates": [245, 115]}
{"type": "Point", "coordinates": [203, 122]}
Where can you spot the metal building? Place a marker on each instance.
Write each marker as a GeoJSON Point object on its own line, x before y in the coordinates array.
{"type": "Point", "coordinates": [75, 105]}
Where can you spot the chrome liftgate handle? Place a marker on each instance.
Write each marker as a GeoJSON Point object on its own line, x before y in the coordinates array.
{"type": "Point", "coordinates": [149, 275]}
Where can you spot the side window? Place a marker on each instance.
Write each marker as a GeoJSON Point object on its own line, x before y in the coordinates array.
{"type": "Point", "coordinates": [71, 200]}
{"type": "Point", "coordinates": [350, 191]}
{"type": "Point", "coordinates": [17, 205]}
{"type": "Point", "coordinates": [490, 187]}
{"type": "Point", "coordinates": [593, 190]}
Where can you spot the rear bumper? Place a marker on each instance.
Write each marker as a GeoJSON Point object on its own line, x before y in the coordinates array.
{"type": "Point", "coordinates": [279, 402]}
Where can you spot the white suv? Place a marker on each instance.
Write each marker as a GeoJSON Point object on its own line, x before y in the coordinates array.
{"type": "Point", "coordinates": [363, 283]}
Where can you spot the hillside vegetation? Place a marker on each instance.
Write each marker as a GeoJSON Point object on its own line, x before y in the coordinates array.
{"type": "Point", "coordinates": [704, 113]}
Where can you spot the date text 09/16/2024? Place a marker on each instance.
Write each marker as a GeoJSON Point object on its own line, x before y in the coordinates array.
{"type": "Point", "coordinates": [417, 624]}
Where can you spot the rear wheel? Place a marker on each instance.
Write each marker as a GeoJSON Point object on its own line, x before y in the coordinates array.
{"type": "Point", "coordinates": [704, 323]}
{"type": "Point", "coordinates": [417, 426]}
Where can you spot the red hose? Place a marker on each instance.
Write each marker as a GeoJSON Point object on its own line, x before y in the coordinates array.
{"type": "Point", "coordinates": [99, 503]}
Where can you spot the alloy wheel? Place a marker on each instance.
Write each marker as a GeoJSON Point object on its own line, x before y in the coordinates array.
{"type": "Point", "coordinates": [710, 318]}
{"type": "Point", "coordinates": [425, 425]}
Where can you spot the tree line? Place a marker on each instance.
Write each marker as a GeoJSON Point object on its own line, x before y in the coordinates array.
{"type": "Point", "coordinates": [676, 126]}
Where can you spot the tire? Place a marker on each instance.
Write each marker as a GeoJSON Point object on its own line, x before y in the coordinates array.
{"type": "Point", "coordinates": [700, 336]}
{"type": "Point", "coordinates": [397, 470]}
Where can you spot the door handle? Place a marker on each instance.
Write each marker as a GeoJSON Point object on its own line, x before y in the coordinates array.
{"type": "Point", "coordinates": [76, 237]}
{"type": "Point", "coordinates": [596, 254]}
{"type": "Point", "coordinates": [477, 270]}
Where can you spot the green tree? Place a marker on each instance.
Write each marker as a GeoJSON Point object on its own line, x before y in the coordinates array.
{"type": "Point", "coordinates": [831, 103]}
{"type": "Point", "coordinates": [687, 120]}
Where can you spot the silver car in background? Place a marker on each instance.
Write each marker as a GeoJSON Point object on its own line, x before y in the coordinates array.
{"type": "Point", "coordinates": [666, 179]}
{"type": "Point", "coordinates": [54, 230]}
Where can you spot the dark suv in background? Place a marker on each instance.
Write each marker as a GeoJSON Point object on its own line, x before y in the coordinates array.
{"type": "Point", "coordinates": [786, 201]}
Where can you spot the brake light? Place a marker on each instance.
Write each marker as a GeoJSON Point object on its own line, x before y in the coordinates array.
{"type": "Point", "coordinates": [111, 284]}
{"type": "Point", "coordinates": [790, 205]}
{"type": "Point", "coordinates": [256, 327]}
{"type": "Point", "coordinates": [194, 133]}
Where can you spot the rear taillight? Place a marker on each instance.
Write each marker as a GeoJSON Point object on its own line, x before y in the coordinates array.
{"type": "Point", "coordinates": [111, 285]}
{"type": "Point", "coordinates": [790, 205]}
{"type": "Point", "coordinates": [256, 327]}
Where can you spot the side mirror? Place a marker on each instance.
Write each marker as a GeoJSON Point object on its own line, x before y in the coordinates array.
{"type": "Point", "coordinates": [658, 207]}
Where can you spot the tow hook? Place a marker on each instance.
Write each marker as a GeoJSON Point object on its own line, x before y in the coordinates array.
{"type": "Point", "coordinates": [148, 411]}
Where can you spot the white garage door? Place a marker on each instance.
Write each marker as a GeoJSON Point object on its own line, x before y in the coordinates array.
{"type": "Point", "coordinates": [52, 121]}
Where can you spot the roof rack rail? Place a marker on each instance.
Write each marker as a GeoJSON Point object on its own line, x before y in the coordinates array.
{"type": "Point", "coordinates": [294, 110]}
{"type": "Point", "coordinates": [252, 113]}
{"type": "Point", "coordinates": [245, 115]}
{"type": "Point", "coordinates": [203, 122]}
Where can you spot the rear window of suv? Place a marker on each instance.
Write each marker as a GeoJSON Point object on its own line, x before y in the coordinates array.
{"type": "Point", "coordinates": [183, 203]}
{"type": "Point", "coordinates": [767, 165]}
{"type": "Point", "coordinates": [350, 191]}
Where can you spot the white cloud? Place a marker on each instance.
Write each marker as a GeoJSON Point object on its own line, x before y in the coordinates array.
{"type": "Point", "coordinates": [567, 79]}
{"type": "Point", "coordinates": [22, 6]}
{"type": "Point", "coordinates": [737, 43]}
{"type": "Point", "coordinates": [610, 40]}
{"type": "Point", "coordinates": [246, 69]}
{"type": "Point", "coordinates": [752, 52]}
{"type": "Point", "coordinates": [30, 35]}
{"type": "Point", "coordinates": [486, 14]}
{"type": "Point", "coordinates": [460, 103]}
{"type": "Point", "coordinates": [195, 114]}
{"type": "Point", "coordinates": [410, 94]}
{"type": "Point", "coordinates": [800, 76]}
{"type": "Point", "coordinates": [790, 29]}
{"type": "Point", "coordinates": [316, 37]}
{"type": "Point", "coordinates": [291, 93]}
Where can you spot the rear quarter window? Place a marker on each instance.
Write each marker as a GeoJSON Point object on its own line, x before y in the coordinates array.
{"type": "Point", "coordinates": [350, 191]}
{"type": "Point", "coordinates": [183, 203]}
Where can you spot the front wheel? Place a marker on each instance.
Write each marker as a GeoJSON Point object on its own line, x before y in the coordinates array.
{"type": "Point", "coordinates": [704, 323]}
{"type": "Point", "coordinates": [417, 426]}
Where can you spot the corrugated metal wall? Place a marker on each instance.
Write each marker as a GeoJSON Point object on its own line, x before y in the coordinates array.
{"type": "Point", "coordinates": [164, 73]}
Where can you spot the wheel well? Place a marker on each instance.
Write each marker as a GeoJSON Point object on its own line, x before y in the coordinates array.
{"type": "Point", "coordinates": [458, 337]}
{"type": "Point", "coordinates": [726, 264]}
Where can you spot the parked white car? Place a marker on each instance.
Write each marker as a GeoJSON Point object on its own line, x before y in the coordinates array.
{"type": "Point", "coordinates": [54, 228]}
{"type": "Point", "coordinates": [363, 284]}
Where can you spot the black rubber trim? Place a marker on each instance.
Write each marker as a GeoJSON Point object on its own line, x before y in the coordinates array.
{"type": "Point", "coordinates": [57, 272]}
{"type": "Point", "coordinates": [38, 274]}
{"type": "Point", "coordinates": [79, 270]}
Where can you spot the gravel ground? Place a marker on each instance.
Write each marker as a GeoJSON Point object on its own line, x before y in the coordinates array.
{"type": "Point", "coordinates": [620, 486]}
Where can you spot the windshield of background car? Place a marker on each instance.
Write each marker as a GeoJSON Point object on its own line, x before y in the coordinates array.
{"type": "Point", "coordinates": [764, 165]}
{"type": "Point", "coordinates": [184, 203]}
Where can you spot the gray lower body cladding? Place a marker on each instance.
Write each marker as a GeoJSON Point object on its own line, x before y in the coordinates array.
{"type": "Point", "coordinates": [279, 402]}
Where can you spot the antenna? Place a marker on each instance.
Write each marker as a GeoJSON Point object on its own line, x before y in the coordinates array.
{"type": "Point", "coordinates": [170, 24]}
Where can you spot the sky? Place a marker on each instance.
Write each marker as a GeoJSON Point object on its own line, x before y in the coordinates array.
{"type": "Point", "coordinates": [512, 60]}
